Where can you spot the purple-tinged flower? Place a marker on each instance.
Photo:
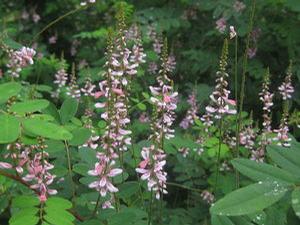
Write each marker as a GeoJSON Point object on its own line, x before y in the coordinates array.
{"type": "Point", "coordinates": [151, 169]}
{"type": "Point", "coordinates": [239, 6]}
{"type": "Point", "coordinates": [19, 59]}
{"type": "Point", "coordinates": [35, 17]}
{"type": "Point", "coordinates": [251, 52]}
{"type": "Point", "coordinates": [73, 89]}
{"type": "Point", "coordinates": [247, 137]}
{"type": "Point", "coordinates": [152, 68]}
{"type": "Point", "coordinates": [38, 172]}
{"type": "Point", "coordinates": [171, 63]}
{"type": "Point", "coordinates": [61, 78]}
{"type": "Point", "coordinates": [191, 114]}
{"type": "Point", "coordinates": [184, 151]}
{"type": "Point", "coordinates": [52, 39]}
{"type": "Point", "coordinates": [89, 87]}
{"type": "Point", "coordinates": [286, 89]}
{"type": "Point", "coordinates": [282, 132]}
{"type": "Point", "coordinates": [105, 171]}
{"type": "Point", "coordinates": [144, 118]}
{"type": "Point", "coordinates": [208, 197]}
{"type": "Point", "coordinates": [221, 25]}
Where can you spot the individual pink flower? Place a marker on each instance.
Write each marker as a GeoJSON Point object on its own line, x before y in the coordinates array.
{"type": "Point", "coordinates": [89, 87]}
{"type": "Point", "coordinates": [282, 137]}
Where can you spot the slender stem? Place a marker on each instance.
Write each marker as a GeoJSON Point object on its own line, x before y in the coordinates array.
{"type": "Point", "coordinates": [139, 181]}
{"type": "Point", "coordinates": [56, 21]}
{"type": "Point", "coordinates": [150, 207]}
{"type": "Point", "coordinates": [70, 171]}
{"type": "Point", "coordinates": [242, 91]}
{"type": "Point", "coordinates": [96, 206]}
{"type": "Point", "coordinates": [18, 179]}
{"type": "Point", "coordinates": [184, 187]}
{"type": "Point", "coordinates": [219, 154]}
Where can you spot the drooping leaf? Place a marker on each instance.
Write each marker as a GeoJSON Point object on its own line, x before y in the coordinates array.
{"type": "Point", "coordinates": [9, 129]}
{"type": "Point", "coordinates": [250, 199]}
{"type": "Point", "coordinates": [57, 202]}
{"type": "Point", "coordinates": [263, 171]}
{"type": "Point", "coordinates": [68, 110]}
{"type": "Point", "coordinates": [288, 159]}
{"type": "Point", "coordinates": [221, 220]}
{"type": "Point", "coordinates": [29, 106]}
{"type": "Point", "coordinates": [46, 129]}
{"type": "Point", "coordinates": [8, 90]}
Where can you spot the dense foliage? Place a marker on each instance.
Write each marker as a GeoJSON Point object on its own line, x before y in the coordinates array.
{"type": "Point", "coordinates": [149, 112]}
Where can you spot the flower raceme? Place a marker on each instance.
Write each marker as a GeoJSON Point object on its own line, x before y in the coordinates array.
{"type": "Point", "coordinates": [18, 59]}
{"type": "Point", "coordinates": [164, 100]}
{"type": "Point", "coordinates": [220, 103]}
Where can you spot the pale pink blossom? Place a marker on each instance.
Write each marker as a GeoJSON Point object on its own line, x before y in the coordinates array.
{"type": "Point", "coordinates": [221, 25]}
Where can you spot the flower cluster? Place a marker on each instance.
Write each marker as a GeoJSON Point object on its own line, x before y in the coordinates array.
{"type": "Point", "coordinates": [38, 171]}
{"type": "Point", "coordinates": [207, 197]}
{"type": "Point", "coordinates": [247, 137]}
{"type": "Point", "coordinates": [73, 89]}
{"type": "Point", "coordinates": [104, 170]}
{"type": "Point", "coordinates": [89, 87]}
{"type": "Point", "coordinates": [286, 89]}
{"type": "Point", "coordinates": [282, 132]}
{"type": "Point", "coordinates": [19, 59]}
{"type": "Point", "coordinates": [61, 78]}
{"type": "Point", "coordinates": [191, 114]}
{"type": "Point", "coordinates": [151, 169]}
{"type": "Point", "coordinates": [221, 104]}
{"type": "Point", "coordinates": [266, 97]}
{"type": "Point", "coordinates": [239, 6]}
{"type": "Point", "coordinates": [221, 25]}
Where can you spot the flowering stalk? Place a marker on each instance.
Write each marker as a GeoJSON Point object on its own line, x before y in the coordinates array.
{"type": "Point", "coordinates": [286, 90]}
{"type": "Point", "coordinates": [19, 59]}
{"type": "Point", "coordinates": [164, 101]}
{"type": "Point", "coordinates": [73, 89]}
{"type": "Point", "coordinates": [220, 103]}
{"type": "Point", "coordinates": [266, 97]}
{"type": "Point", "coordinates": [112, 91]}
{"type": "Point", "coordinates": [242, 90]}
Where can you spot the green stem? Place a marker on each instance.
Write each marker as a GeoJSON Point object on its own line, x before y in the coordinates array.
{"type": "Point", "coordinates": [150, 207]}
{"type": "Point", "coordinates": [56, 21]}
{"type": "Point", "coordinates": [219, 154]}
{"type": "Point", "coordinates": [139, 181]}
{"type": "Point", "coordinates": [184, 187]}
{"type": "Point", "coordinates": [242, 91]}
{"type": "Point", "coordinates": [96, 206]}
{"type": "Point", "coordinates": [70, 171]}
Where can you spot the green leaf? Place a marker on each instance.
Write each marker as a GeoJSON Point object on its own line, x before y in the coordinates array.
{"type": "Point", "coordinates": [29, 106]}
{"type": "Point", "coordinates": [8, 90]}
{"type": "Point", "coordinates": [24, 218]}
{"type": "Point", "coordinates": [80, 136]}
{"type": "Point", "coordinates": [128, 189]}
{"type": "Point", "coordinates": [250, 199]}
{"type": "Point", "coordinates": [25, 201]}
{"type": "Point", "coordinates": [262, 171]}
{"type": "Point", "coordinates": [56, 202]}
{"type": "Point", "coordinates": [68, 110]}
{"type": "Point", "coordinates": [51, 110]}
{"type": "Point", "coordinates": [142, 106]}
{"type": "Point", "coordinates": [81, 169]}
{"type": "Point", "coordinates": [288, 159]}
{"type": "Point", "coordinates": [9, 129]}
{"type": "Point", "coordinates": [46, 129]}
{"type": "Point", "coordinates": [296, 201]}
{"type": "Point", "coordinates": [221, 220]}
